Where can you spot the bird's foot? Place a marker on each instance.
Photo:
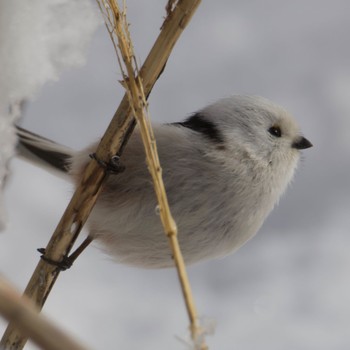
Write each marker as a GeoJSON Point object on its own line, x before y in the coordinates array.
{"type": "Point", "coordinates": [114, 166]}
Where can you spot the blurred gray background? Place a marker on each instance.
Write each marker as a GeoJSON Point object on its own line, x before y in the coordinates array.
{"type": "Point", "coordinates": [289, 287]}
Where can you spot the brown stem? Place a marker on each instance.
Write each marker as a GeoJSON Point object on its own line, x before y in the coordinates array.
{"type": "Point", "coordinates": [90, 186]}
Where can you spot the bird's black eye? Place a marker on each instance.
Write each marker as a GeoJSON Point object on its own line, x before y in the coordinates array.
{"type": "Point", "coordinates": [275, 131]}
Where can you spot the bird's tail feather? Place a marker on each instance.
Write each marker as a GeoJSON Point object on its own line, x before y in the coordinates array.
{"type": "Point", "coordinates": [43, 152]}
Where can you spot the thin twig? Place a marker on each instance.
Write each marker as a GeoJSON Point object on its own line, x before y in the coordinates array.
{"type": "Point", "coordinates": [87, 191]}
{"type": "Point", "coordinates": [23, 313]}
{"type": "Point", "coordinates": [120, 35]}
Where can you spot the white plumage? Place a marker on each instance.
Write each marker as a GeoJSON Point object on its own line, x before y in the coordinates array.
{"type": "Point", "coordinates": [224, 169]}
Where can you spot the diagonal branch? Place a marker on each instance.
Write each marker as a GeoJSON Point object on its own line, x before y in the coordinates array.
{"type": "Point", "coordinates": [92, 180]}
{"type": "Point", "coordinates": [41, 330]}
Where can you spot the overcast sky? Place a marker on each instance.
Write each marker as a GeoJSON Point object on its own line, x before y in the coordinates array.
{"type": "Point", "coordinates": [289, 287]}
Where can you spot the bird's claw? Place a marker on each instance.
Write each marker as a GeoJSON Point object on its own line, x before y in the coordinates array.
{"type": "Point", "coordinates": [114, 166]}
{"type": "Point", "coordinates": [62, 265]}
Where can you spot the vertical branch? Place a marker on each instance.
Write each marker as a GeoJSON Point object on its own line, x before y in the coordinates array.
{"type": "Point", "coordinates": [85, 196]}
{"type": "Point", "coordinates": [118, 29]}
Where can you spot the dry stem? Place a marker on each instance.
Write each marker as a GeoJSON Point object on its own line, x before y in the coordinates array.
{"type": "Point", "coordinates": [118, 29]}
{"type": "Point", "coordinates": [22, 312]}
{"type": "Point", "coordinates": [87, 191]}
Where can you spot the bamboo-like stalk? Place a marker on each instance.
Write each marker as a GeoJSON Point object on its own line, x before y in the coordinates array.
{"type": "Point", "coordinates": [120, 35]}
{"type": "Point", "coordinates": [90, 185]}
{"type": "Point", "coordinates": [27, 318]}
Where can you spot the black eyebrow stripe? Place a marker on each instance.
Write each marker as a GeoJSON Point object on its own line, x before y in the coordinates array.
{"type": "Point", "coordinates": [198, 123]}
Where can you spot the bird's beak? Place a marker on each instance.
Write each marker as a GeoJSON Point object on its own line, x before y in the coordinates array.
{"type": "Point", "coordinates": [301, 143]}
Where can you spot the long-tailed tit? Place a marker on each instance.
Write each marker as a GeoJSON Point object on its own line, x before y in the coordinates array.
{"type": "Point", "coordinates": [224, 169]}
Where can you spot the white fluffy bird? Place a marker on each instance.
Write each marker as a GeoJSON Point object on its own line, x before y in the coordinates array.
{"type": "Point", "coordinates": [224, 169]}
